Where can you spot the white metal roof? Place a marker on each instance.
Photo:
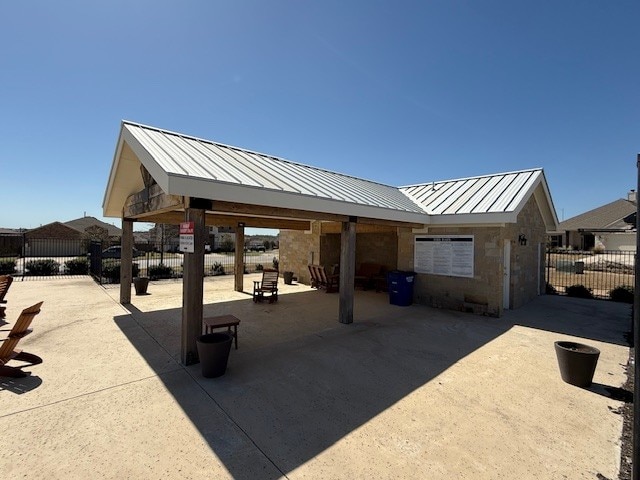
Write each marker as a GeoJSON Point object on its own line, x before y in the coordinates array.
{"type": "Point", "coordinates": [185, 165]}
{"type": "Point", "coordinates": [492, 198]}
{"type": "Point", "coordinates": [189, 166]}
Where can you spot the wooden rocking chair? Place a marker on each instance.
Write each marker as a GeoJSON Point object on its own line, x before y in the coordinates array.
{"type": "Point", "coordinates": [268, 284]}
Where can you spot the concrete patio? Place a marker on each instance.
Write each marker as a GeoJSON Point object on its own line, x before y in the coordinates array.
{"type": "Point", "coordinates": [404, 392]}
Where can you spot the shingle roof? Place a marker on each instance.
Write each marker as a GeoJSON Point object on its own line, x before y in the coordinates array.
{"type": "Point", "coordinates": [607, 216]}
{"type": "Point", "coordinates": [81, 224]}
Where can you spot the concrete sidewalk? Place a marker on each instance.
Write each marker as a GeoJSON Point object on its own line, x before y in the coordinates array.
{"type": "Point", "coordinates": [403, 392]}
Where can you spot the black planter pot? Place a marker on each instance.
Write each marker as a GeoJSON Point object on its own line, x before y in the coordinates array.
{"type": "Point", "coordinates": [577, 362]}
{"type": "Point", "coordinates": [141, 284]}
{"type": "Point", "coordinates": [213, 350]}
{"type": "Point", "coordinates": [288, 277]}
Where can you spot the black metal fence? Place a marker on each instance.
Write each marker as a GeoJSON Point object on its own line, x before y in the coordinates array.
{"type": "Point", "coordinates": [595, 274]}
{"type": "Point", "coordinates": [37, 258]}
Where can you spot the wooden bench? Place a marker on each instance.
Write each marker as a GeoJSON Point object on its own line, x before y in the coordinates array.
{"type": "Point", "coordinates": [221, 321]}
{"type": "Point", "coordinates": [368, 275]}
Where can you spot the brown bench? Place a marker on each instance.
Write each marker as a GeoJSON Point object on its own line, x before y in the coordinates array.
{"type": "Point", "coordinates": [368, 276]}
{"type": "Point", "coordinates": [222, 321]}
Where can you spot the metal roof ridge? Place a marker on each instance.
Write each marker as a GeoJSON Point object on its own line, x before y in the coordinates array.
{"type": "Point", "coordinates": [488, 175]}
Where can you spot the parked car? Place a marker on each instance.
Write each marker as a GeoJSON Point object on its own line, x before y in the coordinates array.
{"type": "Point", "coordinates": [115, 251]}
{"type": "Point", "coordinates": [256, 247]}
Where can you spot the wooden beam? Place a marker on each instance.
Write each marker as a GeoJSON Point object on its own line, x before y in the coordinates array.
{"type": "Point", "coordinates": [239, 259]}
{"type": "Point", "coordinates": [151, 200]}
{"type": "Point", "coordinates": [388, 223]}
{"type": "Point", "coordinates": [126, 261]}
{"type": "Point", "coordinates": [347, 271]}
{"type": "Point", "coordinates": [192, 289]}
{"type": "Point", "coordinates": [332, 227]}
{"type": "Point", "coordinates": [217, 220]}
{"type": "Point", "coordinates": [277, 212]}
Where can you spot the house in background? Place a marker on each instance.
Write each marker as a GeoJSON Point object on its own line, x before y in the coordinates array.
{"type": "Point", "coordinates": [96, 229]}
{"type": "Point", "coordinates": [11, 241]}
{"type": "Point", "coordinates": [70, 238]}
{"type": "Point", "coordinates": [609, 227]}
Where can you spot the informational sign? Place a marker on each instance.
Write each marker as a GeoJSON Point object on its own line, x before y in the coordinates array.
{"type": "Point", "coordinates": [187, 242]}
{"type": "Point", "coordinates": [444, 255]}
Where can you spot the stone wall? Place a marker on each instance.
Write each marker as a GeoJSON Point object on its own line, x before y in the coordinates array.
{"type": "Point", "coordinates": [298, 249]}
{"type": "Point", "coordinates": [481, 294]}
{"type": "Point", "coordinates": [380, 248]}
{"type": "Point", "coordinates": [527, 261]}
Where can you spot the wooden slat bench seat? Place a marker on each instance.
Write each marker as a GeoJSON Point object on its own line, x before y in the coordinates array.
{"type": "Point", "coordinates": [222, 321]}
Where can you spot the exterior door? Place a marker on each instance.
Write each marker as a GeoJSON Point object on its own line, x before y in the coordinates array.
{"type": "Point", "coordinates": [506, 275]}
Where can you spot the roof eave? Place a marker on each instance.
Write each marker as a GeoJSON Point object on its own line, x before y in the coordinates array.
{"type": "Point", "coordinates": [214, 190]}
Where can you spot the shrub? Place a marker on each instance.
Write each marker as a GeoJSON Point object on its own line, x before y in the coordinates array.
{"type": "Point", "coordinates": [579, 291]}
{"type": "Point", "coordinates": [550, 289]}
{"type": "Point", "coordinates": [276, 263]}
{"type": "Point", "coordinates": [622, 293]}
{"type": "Point", "coordinates": [42, 267]}
{"type": "Point", "coordinates": [218, 268]}
{"type": "Point", "coordinates": [160, 271]}
{"type": "Point", "coordinates": [112, 271]}
{"type": "Point", "coordinates": [259, 267]}
{"type": "Point", "coordinates": [77, 266]}
{"type": "Point", "coordinates": [7, 267]}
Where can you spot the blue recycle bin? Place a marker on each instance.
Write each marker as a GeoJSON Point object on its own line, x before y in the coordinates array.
{"type": "Point", "coordinates": [400, 287]}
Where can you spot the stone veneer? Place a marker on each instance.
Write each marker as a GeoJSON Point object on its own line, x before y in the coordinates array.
{"type": "Point", "coordinates": [299, 249]}
{"type": "Point", "coordinates": [527, 259]}
{"type": "Point", "coordinates": [482, 294]}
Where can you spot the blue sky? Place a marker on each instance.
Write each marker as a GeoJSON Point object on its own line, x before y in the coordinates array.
{"type": "Point", "coordinates": [398, 92]}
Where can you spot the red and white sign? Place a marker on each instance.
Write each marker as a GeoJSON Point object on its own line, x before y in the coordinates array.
{"type": "Point", "coordinates": [186, 237]}
{"type": "Point", "coordinates": [186, 228]}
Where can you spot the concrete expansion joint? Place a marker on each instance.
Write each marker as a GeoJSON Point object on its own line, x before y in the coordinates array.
{"type": "Point", "coordinates": [238, 426]}
{"type": "Point", "coordinates": [83, 395]}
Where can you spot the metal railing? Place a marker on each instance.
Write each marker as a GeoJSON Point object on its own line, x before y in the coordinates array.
{"type": "Point", "coordinates": [49, 257]}
{"type": "Point", "coordinates": [599, 272]}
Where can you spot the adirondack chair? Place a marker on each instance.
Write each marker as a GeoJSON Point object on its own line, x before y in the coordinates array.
{"type": "Point", "coordinates": [268, 284]}
{"type": "Point", "coordinates": [320, 279]}
{"type": "Point", "coordinates": [5, 283]}
{"type": "Point", "coordinates": [8, 350]}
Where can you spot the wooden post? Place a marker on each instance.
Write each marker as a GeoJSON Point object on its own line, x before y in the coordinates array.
{"type": "Point", "coordinates": [192, 288]}
{"type": "Point", "coordinates": [239, 259]}
{"type": "Point", "coordinates": [126, 259]}
{"type": "Point", "coordinates": [347, 270]}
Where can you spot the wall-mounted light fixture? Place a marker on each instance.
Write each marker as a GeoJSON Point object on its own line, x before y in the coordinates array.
{"type": "Point", "coordinates": [522, 240]}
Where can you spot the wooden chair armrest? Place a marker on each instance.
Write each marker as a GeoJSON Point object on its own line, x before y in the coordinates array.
{"type": "Point", "coordinates": [21, 334]}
